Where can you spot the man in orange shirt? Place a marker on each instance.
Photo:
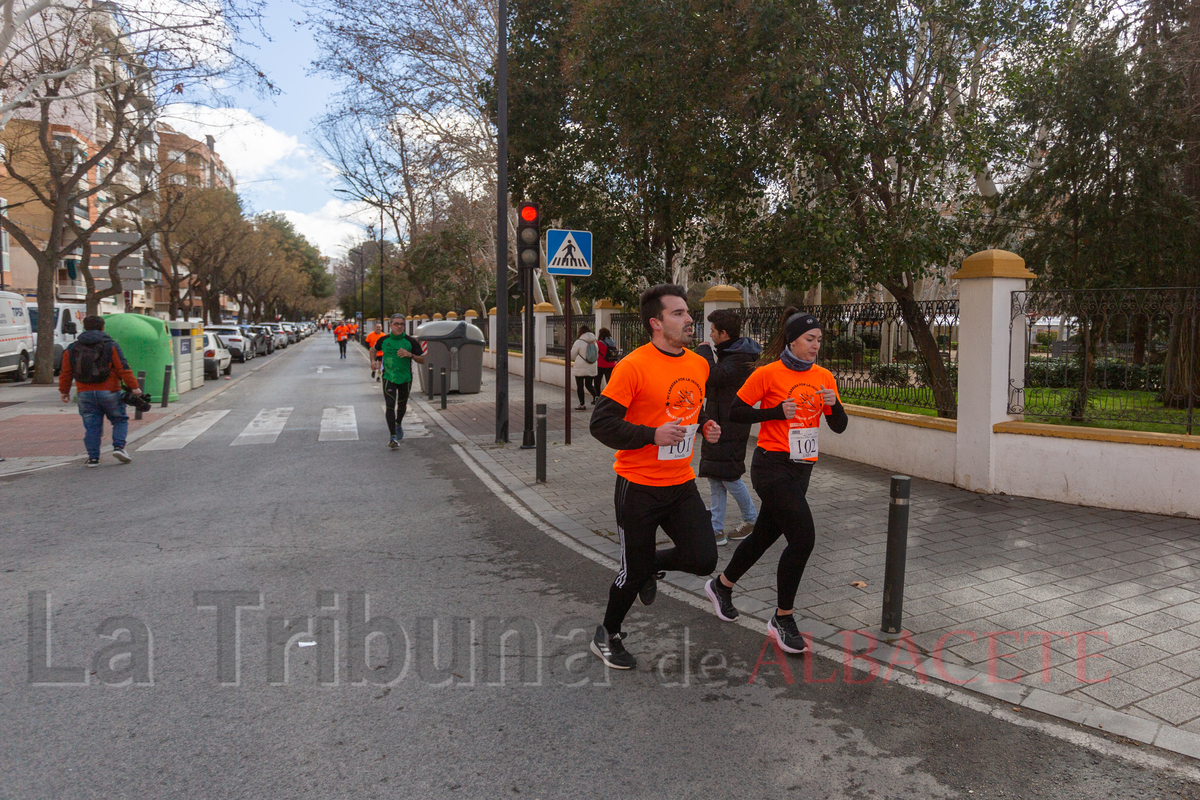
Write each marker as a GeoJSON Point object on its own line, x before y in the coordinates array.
{"type": "Point", "coordinates": [649, 413]}
{"type": "Point", "coordinates": [342, 334]}
{"type": "Point", "coordinates": [376, 364]}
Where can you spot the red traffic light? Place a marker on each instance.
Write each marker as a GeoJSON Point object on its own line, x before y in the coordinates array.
{"type": "Point", "coordinates": [529, 213]}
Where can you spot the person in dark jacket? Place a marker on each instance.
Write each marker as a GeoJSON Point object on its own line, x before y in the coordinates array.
{"type": "Point", "coordinates": [99, 400]}
{"type": "Point", "coordinates": [731, 360]}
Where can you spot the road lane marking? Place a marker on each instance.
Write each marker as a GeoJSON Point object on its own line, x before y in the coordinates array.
{"type": "Point", "coordinates": [338, 424]}
{"type": "Point", "coordinates": [264, 428]}
{"type": "Point", "coordinates": [182, 434]}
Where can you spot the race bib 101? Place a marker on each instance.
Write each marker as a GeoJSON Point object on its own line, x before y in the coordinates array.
{"type": "Point", "coordinates": [680, 450]}
{"type": "Point", "coordinates": [802, 443]}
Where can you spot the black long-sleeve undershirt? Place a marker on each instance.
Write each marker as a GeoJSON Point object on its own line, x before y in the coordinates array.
{"type": "Point", "coordinates": [747, 414]}
{"type": "Point", "coordinates": [610, 427]}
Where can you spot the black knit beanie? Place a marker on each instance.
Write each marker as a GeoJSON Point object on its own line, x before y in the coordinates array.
{"type": "Point", "coordinates": [799, 324]}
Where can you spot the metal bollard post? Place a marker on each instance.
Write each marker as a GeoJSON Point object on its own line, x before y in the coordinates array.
{"type": "Point", "coordinates": [541, 441]}
{"type": "Point", "coordinates": [429, 381]}
{"type": "Point", "coordinates": [166, 385]}
{"type": "Point", "coordinates": [141, 385]}
{"type": "Point", "coordinates": [444, 387]}
{"type": "Point", "coordinates": [897, 551]}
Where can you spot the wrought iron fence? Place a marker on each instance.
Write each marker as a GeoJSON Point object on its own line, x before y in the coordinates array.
{"type": "Point", "coordinates": [1127, 358]}
{"type": "Point", "coordinates": [515, 334]}
{"type": "Point", "coordinates": [628, 332]}
{"type": "Point", "coordinates": [875, 356]}
{"type": "Point", "coordinates": [559, 339]}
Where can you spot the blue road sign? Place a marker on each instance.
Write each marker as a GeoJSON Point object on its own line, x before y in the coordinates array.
{"type": "Point", "coordinates": [570, 253]}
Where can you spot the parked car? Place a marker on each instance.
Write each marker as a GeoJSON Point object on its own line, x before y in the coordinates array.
{"type": "Point", "coordinates": [68, 324]}
{"type": "Point", "coordinates": [239, 344]}
{"type": "Point", "coordinates": [293, 334]}
{"type": "Point", "coordinates": [266, 338]}
{"type": "Point", "coordinates": [281, 337]}
{"type": "Point", "coordinates": [217, 358]}
{"type": "Point", "coordinates": [258, 340]}
{"type": "Point", "coordinates": [16, 336]}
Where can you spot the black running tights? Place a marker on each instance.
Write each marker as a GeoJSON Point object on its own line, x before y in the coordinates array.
{"type": "Point", "coordinates": [641, 510]}
{"type": "Point", "coordinates": [781, 485]}
{"type": "Point", "coordinates": [395, 403]}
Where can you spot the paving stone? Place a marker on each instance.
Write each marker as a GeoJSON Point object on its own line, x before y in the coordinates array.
{"type": "Point", "coordinates": [1156, 678]}
{"type": "Point", "coordinates": [1137, 654]}
{"type": "Point", "coordinates": [1114, 693]}
{"type": "Point", "coordinates": [1174, 706]}
{"type": "Point", "coordinates": [1158, 622]}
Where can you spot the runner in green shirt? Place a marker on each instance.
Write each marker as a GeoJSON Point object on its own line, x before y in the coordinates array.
{"type": "Point", "coordinates": [398, 351]}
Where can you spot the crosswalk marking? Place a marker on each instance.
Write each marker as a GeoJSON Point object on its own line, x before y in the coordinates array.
{"type": "Point", "coordinates": [183, 433]}
{"type": "Point", "coordinates": [264, 428]}
{"type": "Point", "coordinates": [338, 424]}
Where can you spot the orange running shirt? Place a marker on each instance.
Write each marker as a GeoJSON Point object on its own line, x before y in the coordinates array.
{"type": "Point", "coordinates": [372, 338]}
{"type": "Point", "coordinates": [656, 388]}
{"type": "Point", "coordinates": [775, 383]}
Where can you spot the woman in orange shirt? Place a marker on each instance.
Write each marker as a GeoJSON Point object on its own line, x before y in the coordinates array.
{"type": "Point", "coordinates": [793, 393]}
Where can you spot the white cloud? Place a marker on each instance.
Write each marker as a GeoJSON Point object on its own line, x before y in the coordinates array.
{"type": "Point", "coordinates": [250, 148]}
{"type": "Point", "coordinates": [335, 225]}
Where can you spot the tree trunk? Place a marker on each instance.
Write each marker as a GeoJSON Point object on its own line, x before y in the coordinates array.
{"type": "Point", "coordinates": [1181, 374]}
{"type": "Point", "coordinates": [43, 362]}
{"type": "Point", "coordinates": [944, 397]}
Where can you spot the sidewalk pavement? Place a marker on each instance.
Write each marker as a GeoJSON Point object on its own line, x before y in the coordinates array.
{"type": "Point", "coordinates": [1090, 615]}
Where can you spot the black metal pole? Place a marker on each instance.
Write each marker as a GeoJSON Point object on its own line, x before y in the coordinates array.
{"type": "Point", "coordinates": [429, 381]}
{"type": "Point", "coordinates": [897, 550]}
{"type": "Point", "coordinates": [569, 342]}
{"type": "Point", "coordinates": [530, 352]}
{"type": "Point", "coordinates": [443, 388]}
{"type": "Point", "coordinates": [541, 442]}
{"type": "Point", "coordinates": [166, 385]}
{"type": "Point", "coordinates": [141, 376]}
{"type": "Point", "coordinates": [502, 225]}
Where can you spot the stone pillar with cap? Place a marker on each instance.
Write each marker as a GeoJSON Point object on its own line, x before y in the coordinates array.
{"type": "Point", "coordinates": [604, 310]}
{"type": "Point", "coordinates": [720, 296]}
{"type": "Point", "coordinates": [991, 347]}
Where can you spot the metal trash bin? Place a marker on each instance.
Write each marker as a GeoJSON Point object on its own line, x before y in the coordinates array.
{"type": "Point", "coordinates": [457, 346]}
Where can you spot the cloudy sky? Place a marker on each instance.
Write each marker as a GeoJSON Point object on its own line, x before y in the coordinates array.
{"type": "Point", "coordinates": [266, 143]}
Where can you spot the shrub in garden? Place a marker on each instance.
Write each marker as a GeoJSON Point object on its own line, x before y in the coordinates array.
{"type": "Point", "coordinates": [897, 375]}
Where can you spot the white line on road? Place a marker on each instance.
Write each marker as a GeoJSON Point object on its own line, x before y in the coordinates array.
{"type": "Point", "coordinates": [264, 428]}
{"type": "Point", "coordinates": [338, 424]}
{"type": "Point", "coordinates": [178, 437]}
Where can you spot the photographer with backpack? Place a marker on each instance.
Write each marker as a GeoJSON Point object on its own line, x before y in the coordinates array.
{"type": "Point", "coordinates": [585, 353]}
{"type": "Point", "coordinates": [98, 367]}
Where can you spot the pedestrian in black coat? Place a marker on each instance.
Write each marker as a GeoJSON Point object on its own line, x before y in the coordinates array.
{"type": "Point", "coordinates": [731, 359]}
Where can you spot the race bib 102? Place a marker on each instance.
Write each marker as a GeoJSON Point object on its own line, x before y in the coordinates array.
{"type": "Point", "coordinates": [802, 443]}
{"type": "Point", "coordinates": [680, 450]}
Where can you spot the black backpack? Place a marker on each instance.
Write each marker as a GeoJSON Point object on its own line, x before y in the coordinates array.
{"type": "Point", "coordinates": [91, 363]}
{"type": "Point", "coordinates": [613, 353]}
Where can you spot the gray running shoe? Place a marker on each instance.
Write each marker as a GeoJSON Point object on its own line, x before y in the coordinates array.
{"type": "Point", "coordinates": [120, 455]}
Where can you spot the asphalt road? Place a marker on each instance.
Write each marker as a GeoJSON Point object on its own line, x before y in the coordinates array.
{"type": "Point", "coordinates": [330, 544]}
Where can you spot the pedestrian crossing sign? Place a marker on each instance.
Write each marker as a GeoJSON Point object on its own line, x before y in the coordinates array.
{"type": "Point", "coordinates": [570, 253]}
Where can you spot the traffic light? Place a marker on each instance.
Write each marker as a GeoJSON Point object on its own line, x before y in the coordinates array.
{"type": "Point", "coordinates": [529, 235]}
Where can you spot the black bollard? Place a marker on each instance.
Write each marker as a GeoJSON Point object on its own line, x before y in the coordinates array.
{"type": "Point", "coordinates": [897, 551]}
{"type": "Point", "coordinates": [429, 381]}
{"type": "Point", "coordinates": [541, 441]}
{"type": "Point", "coordinates": [141, 385]}
{"type": "Point", "coordinates": [166, 385]}
{"type": "Point", "coordinates": [444, 387]}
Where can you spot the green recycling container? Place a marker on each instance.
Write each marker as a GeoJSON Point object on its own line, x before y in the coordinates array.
{"type": "Point", "coordinates": [146, 343]}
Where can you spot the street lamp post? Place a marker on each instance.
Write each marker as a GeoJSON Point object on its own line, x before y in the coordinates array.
{"type": "Point", "coordinates": [502, 225]}
{"type": "Point", "coordinates": [381, 322]}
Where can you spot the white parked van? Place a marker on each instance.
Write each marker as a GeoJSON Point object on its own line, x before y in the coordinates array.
{"type": "Point", "coordinates": [68, 324]}
{"type": "Point", "coordinates": [16, 336]}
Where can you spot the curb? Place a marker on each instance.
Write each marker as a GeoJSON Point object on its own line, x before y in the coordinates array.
{"type": "Point", "coordinates": [832, 643]}
{"type": "Point", "coordinates": [177, 410]}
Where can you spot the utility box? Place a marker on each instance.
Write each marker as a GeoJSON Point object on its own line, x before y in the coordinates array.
{"type": "Point", "coordinates": [187, 346]}
{"type": "Point", "coordinates": [456, 346]}
{"type": "Point", "coordinates": [146, 343]}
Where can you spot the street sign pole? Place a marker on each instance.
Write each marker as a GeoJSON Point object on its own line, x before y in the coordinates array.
{"type": "Point", "coordinates": [568, 341]}
{"type": "Point", "coordinates": [528, 441]}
